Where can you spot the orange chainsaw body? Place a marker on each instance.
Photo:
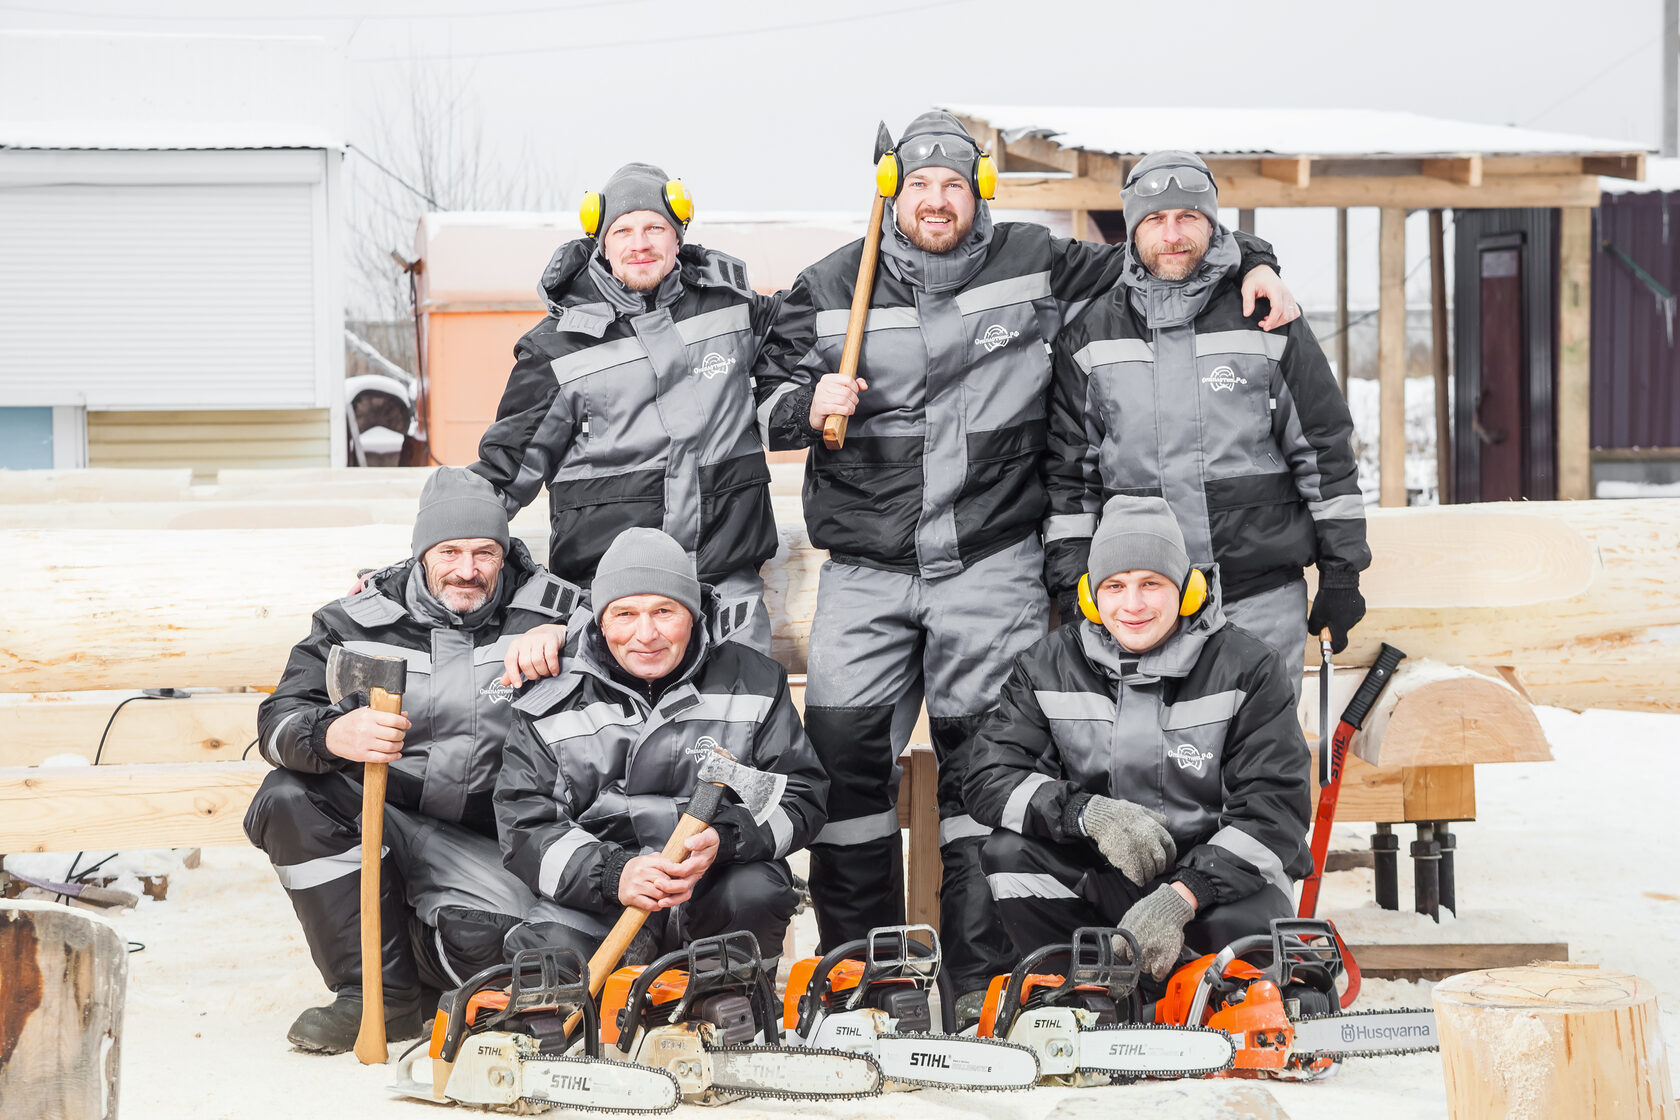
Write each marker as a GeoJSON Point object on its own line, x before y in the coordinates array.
{"type": "Point", "coordinates": [1257, 1022]}
{"type": "Point", "coordinates": [843, 978]}
{"type": "Point", "coordinates": [490, 999]}
{"type": "Point", "coordinates": [1033, 982]}
{"type": "Point", "coordinates": [671, 985]}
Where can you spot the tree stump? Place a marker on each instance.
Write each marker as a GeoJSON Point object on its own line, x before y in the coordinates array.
{"type": "Point", "coordinates": [62, 976]}
{"type": "Point", "coordinates": [1552, 1041]}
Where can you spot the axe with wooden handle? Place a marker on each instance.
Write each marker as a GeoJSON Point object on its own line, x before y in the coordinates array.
{"type": "Point", "coordinates": [383, 679]}
{"type": "Point", "coordinates": [834, 425]}
{"type": "Point", "coordinates": [759, 793]}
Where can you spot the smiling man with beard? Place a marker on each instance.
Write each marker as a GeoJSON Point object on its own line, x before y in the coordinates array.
{"type": "Point", "coordinates": [931, 511]}
{"type": "Point", "coordinates": [451, 611]}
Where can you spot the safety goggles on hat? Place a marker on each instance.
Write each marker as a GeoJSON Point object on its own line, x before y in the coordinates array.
{"type": "Point", "coordinates": [1188, 176]}
{"type": "Point", "coordinates": [956, 148]}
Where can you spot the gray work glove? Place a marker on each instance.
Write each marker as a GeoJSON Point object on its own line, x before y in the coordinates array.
{"type": "Point", "coordinates": [1130, 837]}
{"type": "Point", "coordinates": [1157, 921]}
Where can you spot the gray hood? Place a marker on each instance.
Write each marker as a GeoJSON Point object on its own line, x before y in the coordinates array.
{"type": "Point", "coordinates": [1172, 303]}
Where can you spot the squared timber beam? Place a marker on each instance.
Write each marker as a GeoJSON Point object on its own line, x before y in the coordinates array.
{"type": "Point", "coordinates": [1630, 166]}
{"type": "Point", "coordinates": [1035, 153]}
{"type": "Point", "coordinates": [1296, 171]}
{"type": "Point", "coordinates": [167, 805]}
{"type": "Point", "coordinates": [1463, 170]}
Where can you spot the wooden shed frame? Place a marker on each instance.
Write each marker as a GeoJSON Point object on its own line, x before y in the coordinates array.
{"type": "Point", "coordinates": [1040, 173]}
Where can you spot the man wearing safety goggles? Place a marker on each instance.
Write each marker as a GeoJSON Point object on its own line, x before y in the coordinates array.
{"type": "Point", "coordinates": [1169, 386]}
{"type": "Point", "coordinates": [930, 511]}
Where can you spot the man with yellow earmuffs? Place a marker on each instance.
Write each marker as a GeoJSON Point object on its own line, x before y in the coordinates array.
{"type": "Point", "coordinates": [1144, 767]}
{"type": "Point", "coordinates": [632, 400]}
{"type": "Point", "coordinates": [931, 510]}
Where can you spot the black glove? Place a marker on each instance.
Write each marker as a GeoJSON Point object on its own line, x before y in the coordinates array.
{"type": "Point", "coordinates": [1338, 605]}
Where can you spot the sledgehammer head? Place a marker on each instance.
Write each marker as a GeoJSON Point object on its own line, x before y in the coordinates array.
{"type": "Point", "coordinates": [349, 671]}
{"type": "Point", "coordinates": [759, 792]}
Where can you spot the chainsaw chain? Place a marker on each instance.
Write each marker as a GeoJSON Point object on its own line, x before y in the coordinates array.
{"type": "Point", "coordinates": [1203, 1072]}
{"type": "Point", "coordinates": [1305, 1057]}
{"type": "Point", "coordinates": [925, 1084]}
{"type": "Point", "coordinates": [676, 1097]}
{"type": "Point", "coordinates": [788, 1094]}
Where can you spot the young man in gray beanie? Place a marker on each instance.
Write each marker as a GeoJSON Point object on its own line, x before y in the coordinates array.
{"type": "Point", "coordinates": [1144, 767]}
{"type": "Point", "coordinates": [447, 902]}
{"type": "Point", "coordinates": [931, 511]}
{"type": "Point", "coordinates": [1168, 385]}
{"type": "Point", "coordinates": [633, 399]}
{"type": "Point", "coordinates": [603, 759]}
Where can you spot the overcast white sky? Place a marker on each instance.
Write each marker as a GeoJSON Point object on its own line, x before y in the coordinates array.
{"type": "Point", "coordinates": [763, 104]}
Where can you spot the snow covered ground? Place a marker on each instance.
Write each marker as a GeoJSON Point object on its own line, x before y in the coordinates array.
{"type": "Point", "coordinates": [1580, 849]}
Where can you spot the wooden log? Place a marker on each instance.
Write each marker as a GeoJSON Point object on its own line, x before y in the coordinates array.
{"type": "Point", "coordinates": [169, 805]}
{"type": "Point", "coordinates": [100, 484]}
{"type": "Point", "coordinates": [1552, 1042]}
{"type": "Point", "coordinates": [1438, 960]}
{"type": "Point", "coordinates": [63, 974]}
{"type": "Point", "coordinates": [208, 727]}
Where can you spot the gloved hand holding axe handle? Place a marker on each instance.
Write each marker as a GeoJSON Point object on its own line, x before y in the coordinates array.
{"type": "Point", "coordinates": [383, 679]}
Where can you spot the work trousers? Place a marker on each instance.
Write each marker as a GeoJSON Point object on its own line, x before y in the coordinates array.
{"type": "Point", "coordinates": [881, 642]}
{"type": "Point", "coordinates": [1278, 617]}
{"type": "Point", "coordinates": [446, 901]}
{"type": "Point", "coordinates": [758, 897]}
{"type": "Point", "coordinates": [1047, 890]}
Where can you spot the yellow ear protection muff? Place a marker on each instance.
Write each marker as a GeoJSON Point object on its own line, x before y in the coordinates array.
{"type": "Point", "coordinates": [679, 204]}
{"type": "Point", "coordinates": [1194, 597]}
{"type": "Point", "coordinates": [889, 171]}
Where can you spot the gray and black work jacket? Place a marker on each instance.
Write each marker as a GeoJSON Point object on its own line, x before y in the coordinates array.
{"type": "Point", "coordinates": [941, 463]}
{"type": "Point", "coordinates": [1201, 729]}
{"type": "Point", "coordinates": [637, 410]}
{"type": "Point", "coordinates": [459, 714]}
{"type": "Point", "coordinates": [595, 773]}
{"type": "Point", "coordinates": [1167, 389]}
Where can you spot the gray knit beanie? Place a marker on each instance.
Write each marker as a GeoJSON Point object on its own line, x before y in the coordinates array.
{"type": "Point", "coordinates": [645, 562]}
{"type": "Point", "coordinates": [934, 124]}
{"type": "Point", "coordinates": [1137, 534]}
{"type": "Point", "coordinates": [1164, 175]}
{"type": "Point", "coordinates": [457, 504]}
{"type": "Point", "coordinates": [635, 186]}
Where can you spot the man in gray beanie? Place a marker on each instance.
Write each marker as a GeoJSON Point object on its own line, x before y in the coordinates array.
{"type": "Point", "coordinates": [604, 756]}
{"type": "Point", "coordinates": [632, 400]}
{"type": "Point", "coordinates": [931, 511]}
{"type": "Point", "coordinates": [1169, 385]}
{"type": "Point", "coordinates": [1144, 767]}
{"type": "Point", "coordinates": [467, 591]}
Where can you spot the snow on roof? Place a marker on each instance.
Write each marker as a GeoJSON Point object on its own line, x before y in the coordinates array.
{"type": "Point", "coordinates": [1307, 132]}
{"type": "Point", "coordinates": [1660, 175]}
{"type": "Point", "coordinates": [71, 89]}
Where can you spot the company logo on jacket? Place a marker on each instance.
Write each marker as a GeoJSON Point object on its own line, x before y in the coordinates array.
{"type": "Point", "coordinates": [1188, 757]}
{"type": "Point", "coordinates": [703, 746]}
{"type": "Point", "coordinates": [995, 338]}
{"type": "Point", "coordinates": [498, 693]}
{"type": "Point", "coordinates": [1224, 378]}
{"type": "Point", "coordinates": [713, 364]}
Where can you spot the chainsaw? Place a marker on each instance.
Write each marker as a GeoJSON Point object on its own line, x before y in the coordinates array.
{"type": "Point", "coordinates": [1076, 1006]}
{"type": "Point", "coordinates": [1284, 1017]}
{"type": "Point", "coordinates": [707, 1014]}
{"type": "Point", "coordinates": [871, 997]}
{"type": "Point", "coordinates": [499, 1042]}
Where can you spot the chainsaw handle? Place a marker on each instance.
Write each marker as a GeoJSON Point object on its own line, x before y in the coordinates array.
{"type": "Point", "coordinates": [1365, 697]}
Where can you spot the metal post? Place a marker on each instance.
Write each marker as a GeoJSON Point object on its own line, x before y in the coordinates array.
{"type": "Point", "coordinates": [1438, 333]}
{"type": "Point", "coordinates": [1671, 78]}
{"type": "Point", "coordinates": [1426, 872]}
{"type": "Point", "coordinates": [1385, 865]}
{"type": "Point", "coordinates": [1342, 348]}
{"type": "Point", "coordinates": [1449, 882]}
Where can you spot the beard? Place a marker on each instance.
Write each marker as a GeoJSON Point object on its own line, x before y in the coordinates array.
{"type": "Point", "coordinates": [645, 280]}
{"type": "Point", "coordinates": [460, 596]}
{"type": "Point", "coordinates": [1175, 269]}
{"type": "Point", "coordinates": [937, 242]}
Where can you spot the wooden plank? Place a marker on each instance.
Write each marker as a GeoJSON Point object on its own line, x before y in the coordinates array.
{"type": "Point", "coordinates": [1296, 171]}
{"type": "Point", "coordinates": [1257, 191]}
{"type": "Point", "coordinates": [1036, 153]}
{"type": "Point", "coordinates": [209, 727]}
{"type": "Point", "coordinates": [64, 974]}
{"type": "Point", "coordinates": [1574, 362]}
{"type": "Point", "coordinates": [1438, 960]}
{"type": "Point", "coordinates": [169, 805]}
{"type": "Point", "coordinates": [921, 886]}
{"type": "Point", "coordinates": [1532, 165]}
{"type": "Point", "coordinates": [1439, 350]}
{"type": "Point", "coordinates": [1464, 170]}
{"type": "Point", "coordinates": [1438, 793]}
{"type": "Point", "coordinates": [1391, 357]}
{"type": "Point", "coordinates": [1630, 166]}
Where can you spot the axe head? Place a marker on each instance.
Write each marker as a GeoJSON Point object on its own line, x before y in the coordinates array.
{"type": "Point", "coordinates": [759, 792]}
{"type": "Point", "coordinates": [349, 671]}
{"type": "Point", "coordinates": [883, 141]}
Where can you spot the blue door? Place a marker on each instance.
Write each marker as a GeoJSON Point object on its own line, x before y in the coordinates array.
{"type": "Point", "coordinates": [26, 439]}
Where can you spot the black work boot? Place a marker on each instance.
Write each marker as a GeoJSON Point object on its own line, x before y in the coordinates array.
{"type": "Point", "coordinates": [332, 1029]}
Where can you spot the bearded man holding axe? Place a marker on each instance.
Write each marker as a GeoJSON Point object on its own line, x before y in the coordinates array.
{"type": "Point", "coordinates": [600, 797]}
{"type": "Point", "coordinates": [429, 635]}
{"type": "Point", "coordinates": [931, 507]}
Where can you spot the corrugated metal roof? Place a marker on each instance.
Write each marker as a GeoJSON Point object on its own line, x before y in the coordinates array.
{"type": "Point", "coordinates": [1342, 133]}
{"type": "Point", "coordinates": [141, 92]}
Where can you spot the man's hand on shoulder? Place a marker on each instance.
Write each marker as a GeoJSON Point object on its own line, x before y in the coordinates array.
{"type": "Point", "coordinates": [534, 654]}
{"type": "Point", "coordinates": [1263, 282]}
{"type": "Point", "coordinates": [365, 735]}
